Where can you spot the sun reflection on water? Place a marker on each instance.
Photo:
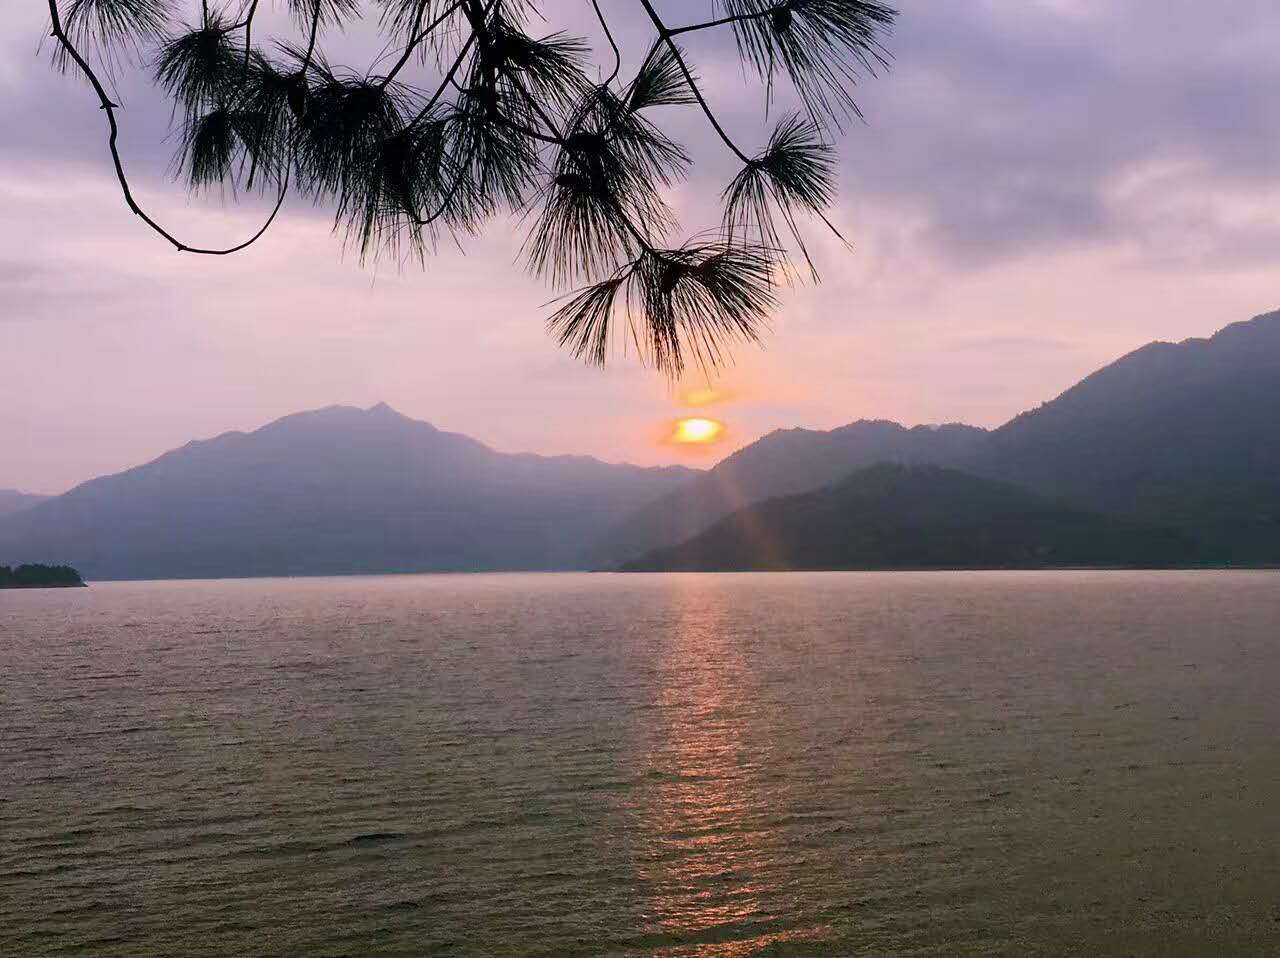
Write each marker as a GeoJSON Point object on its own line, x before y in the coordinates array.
{"type": "Point", "coordinates": [710, 813]}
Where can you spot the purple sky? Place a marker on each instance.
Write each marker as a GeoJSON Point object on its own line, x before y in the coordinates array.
{"type": "Point", "coordinates": [1040, 186]}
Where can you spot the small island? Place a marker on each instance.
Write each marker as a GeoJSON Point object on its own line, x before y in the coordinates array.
{"type": "Point", "coordinates": [40, 577]}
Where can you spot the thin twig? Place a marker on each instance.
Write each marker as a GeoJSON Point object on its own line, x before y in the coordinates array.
{"type": "Point", "coordinates": [247, 23]}
{"type": "Point", "coordinates": [448, 78]}
{"type": "Point", "coordinates": [617, 54]}
{"type": "Point", "coordinates": [665, 36]}
{"type": "Point", "coordinates": [736, 18]}
{"type": "Point", "coordinates": [106, 104]}
{"type": "Point", "coordinates": [311, 40]}
{"type": "Point", "coordinates": [419, 37]}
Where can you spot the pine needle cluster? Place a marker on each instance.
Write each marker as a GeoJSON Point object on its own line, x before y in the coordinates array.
{"type": "Point", "coordinates": [472, 113]}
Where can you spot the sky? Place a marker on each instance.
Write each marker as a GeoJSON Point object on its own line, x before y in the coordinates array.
{"type": "Point", "coordinates": [1038, 187]}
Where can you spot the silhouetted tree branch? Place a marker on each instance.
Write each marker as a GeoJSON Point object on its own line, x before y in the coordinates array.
{"type": "Point", "coordinates": [498, 122]}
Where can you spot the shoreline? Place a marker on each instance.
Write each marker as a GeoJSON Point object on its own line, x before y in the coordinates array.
{"type": "Point", "coordinates": [48, 585]}
{"type": "Point", "coordinates": [653, 572]}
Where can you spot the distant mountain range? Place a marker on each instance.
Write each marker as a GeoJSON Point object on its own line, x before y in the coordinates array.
{"type": "Point", "coordinates": [338, 490]}
{"type": "Point", "coordinates": [784, 462]}
{"type": "Point", "coordinates": [1183, 436]}
{"type": "Point", "coordinates": [1169, 456]}
{"type": "Point", "coordinates": [893, 516]}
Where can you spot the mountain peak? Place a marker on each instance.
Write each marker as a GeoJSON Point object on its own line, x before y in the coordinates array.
{"type": "Point", "coordinates": [348, 417]}
{"type": "Point", "coordinates": [1271, 317]}
{"type": "Point", "coordinates": [383, 412]}
{"type": "Point", "coordinates": [1268, 324]}
{"type": "Point", "coordinates": [334, 490]}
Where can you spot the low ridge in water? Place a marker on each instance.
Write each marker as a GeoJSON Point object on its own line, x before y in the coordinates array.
{"type": "Point", "coordinates": [891, 764]}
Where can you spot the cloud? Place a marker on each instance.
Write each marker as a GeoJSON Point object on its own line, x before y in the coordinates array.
{"type": "Point", "coordinates": [1003, 125]}
{"type": "Point", "coordinates": [1039, 186]}
{"type": "Point", "coordinates": [1006, 125]}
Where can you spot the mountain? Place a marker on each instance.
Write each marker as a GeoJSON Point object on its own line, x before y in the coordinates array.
{"type": "Point", "coordinates": [1173, 435]}
{"type": "Point", "coordinates": [1178, 435]}
{"type": "Point", "coordinates": [337, 490]}
{"type": "Point", "coordinates": [12, 501]}
{"type": "Point", "coordinates": [919, 517]}
{"type": "Point", "coordinates": [782, 463]}
{"type": "Point", "coordinates": [1184, 434]}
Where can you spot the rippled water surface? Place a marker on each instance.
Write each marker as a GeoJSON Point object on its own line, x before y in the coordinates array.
{"type": "Point", "coordinates": [898, 764]}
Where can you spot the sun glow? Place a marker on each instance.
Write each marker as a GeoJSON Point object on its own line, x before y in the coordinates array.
{"type": "Point", "coordinates": [696, 431]}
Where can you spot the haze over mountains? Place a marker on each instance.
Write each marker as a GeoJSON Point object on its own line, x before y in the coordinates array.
{"type": "Point", "coordinates": [11, 501]}
{"type": "Point", "coordinates": [892, 516]}
{"type": "Point", "coordinates": [784, 462]}
{"type": "Point", "coordinates": [1175, 444]}
{"type": "Point", "coordinates": [1180, 435]}
{"type": "Point", "coordinates": [1185, 434]}
{"type": "Point", "coordinates": [337, 490]}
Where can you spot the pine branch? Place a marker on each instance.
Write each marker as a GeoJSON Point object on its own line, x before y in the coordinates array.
{"type": "Point", "coordinates": [110, 108]}
{"type": "Point", "coordinates": [512, 124]}
{"type": "Point", "coordinates": [665, 36]}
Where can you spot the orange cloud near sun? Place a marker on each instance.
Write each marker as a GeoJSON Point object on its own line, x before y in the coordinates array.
{"type": "Point", "coordinates": [700, 397]}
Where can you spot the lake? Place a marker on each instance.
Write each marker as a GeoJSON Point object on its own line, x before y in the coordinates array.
{"type": "Point", "coordinates": [815, 764]}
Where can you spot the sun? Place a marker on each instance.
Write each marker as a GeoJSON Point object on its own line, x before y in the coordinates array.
{"type": "Point", "coordinates": [696, 431]}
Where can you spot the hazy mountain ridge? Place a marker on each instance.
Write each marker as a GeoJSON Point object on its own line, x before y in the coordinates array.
{"type": "Point", "coordinates": [1180, 433]}
{"type": "Point", "coordinates": [782, 463]}
{"type": "Point", "coordinates": [1176, 434]}
{"type": "Point", "coordinates": [892, 516]}
{"type": "Point", "coordinates": [1172, 435]}
{"type": "Point", "coordinates": [11, 501]}
{"type": "Point", "coordinates": [330, 491]}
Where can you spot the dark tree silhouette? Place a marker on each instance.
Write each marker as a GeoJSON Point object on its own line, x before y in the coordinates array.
{"type": "Point", "coordinates": [38, 576]}
{"type": "Point", "coordinates": [467, 116]}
